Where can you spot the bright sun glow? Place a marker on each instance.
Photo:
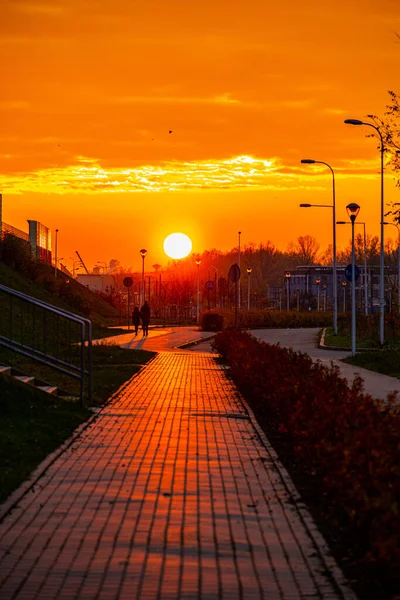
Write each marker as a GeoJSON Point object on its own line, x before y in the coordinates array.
{"type": "Point", "coordinates": [177, 245]}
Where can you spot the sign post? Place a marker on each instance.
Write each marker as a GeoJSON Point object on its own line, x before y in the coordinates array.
{"type": "Point", "coordinates": [128, 282]}
{"type": "Point", "coordinates": [234, 276]}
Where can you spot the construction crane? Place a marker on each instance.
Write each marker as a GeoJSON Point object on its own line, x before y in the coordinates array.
{"type": "Point", "coordinates": [80, 258]}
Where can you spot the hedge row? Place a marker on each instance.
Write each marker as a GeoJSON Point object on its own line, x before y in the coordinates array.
{"type": "Point", "coordinates": [348, 441]}
{"type": "Point", "coordinates": [219, 319]}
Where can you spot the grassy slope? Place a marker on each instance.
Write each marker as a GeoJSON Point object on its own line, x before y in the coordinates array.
{"type": "Point", "coordinates": [100, 311]}
{"type": "Point", "coordinates": [32, 425]}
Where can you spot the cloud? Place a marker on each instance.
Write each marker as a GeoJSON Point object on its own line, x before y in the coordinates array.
{"type": "Point", "coordinates": [225, 98]}
{"type": "Point", "coordinates": [40, 8]}
{"type": "Point", "coordinates": [236, 173]}
{"type": "Point", "coordinates": [335, 111]}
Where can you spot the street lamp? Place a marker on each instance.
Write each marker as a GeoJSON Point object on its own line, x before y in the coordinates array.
{"type": "Point", "coordinates": [318, 281]}
{"type": "Point", "coordinates": [310, 161]}
{"type": "Point", "coordinates": [382, 252]}
{"type": "Point", "coordinates": [398, 267]}
{"type": "Point", "coordinates": [352, 210]}
{"type": "Point", "coordinates": [288, 275]}
{"type": "Point", "coordinates": [249, 270]}
{"type": "Point", "coordinates": [365, 263]}
{"type": "Point", "coordinates": [298, 299]}
{"type": "Point", "coordinates": [143, 253]}
{"type": "Point", "coordinates": [239, 234]}
{"type": "Point", "coordinates": [344, 283]}
{"type": "Point", "coordinates": [198, 263]}
{"type": "Point", "coordinates": [55, 258]}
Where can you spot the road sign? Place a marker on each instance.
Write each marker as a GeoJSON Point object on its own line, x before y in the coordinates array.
{"type": "Point", "coordinates": [234, 273]}
{"type": "Point", "coordinates": [209, 285]}
{"type": "Point", "coordinates": [128, 282]}
{"type": "Point", "coordinates": [348, 272]}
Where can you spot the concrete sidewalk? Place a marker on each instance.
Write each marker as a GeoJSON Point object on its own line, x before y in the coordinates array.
{"type": "Point", "coordinates": [305, 340]}
{"type": "Point", "coordinates": [159, 338]}
{"type": "Point", "coordinates": [171, 492]}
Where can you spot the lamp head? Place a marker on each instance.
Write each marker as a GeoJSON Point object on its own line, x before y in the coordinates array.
{"type": "Point", "coordinates": [305, 205]}
{"type": "Point", "coordinates": [288, 275]}
{"type": "Point", "coordinates": [352, 210]}
{"type": "Point", "coordinates": [344, 283]}
{"type": "Point", "coordinates": [198, 262]}
{"type": "Point", "coordinates": [307, 161]}
{"type": "Point", "coordinates": [341, 222]}
{"type": "Point", "coordinates": [249, 270]}
{"type": "Point", "coordinates": [143, 252]}
{"type": "Point", "coordinates": [318, 281]}
{"type": "Point", "coordinates": [354, 122]}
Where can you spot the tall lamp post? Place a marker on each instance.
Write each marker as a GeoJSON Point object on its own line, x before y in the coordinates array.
{"type": "Point", "coordinates": [398, 261]}
{"type": "Point", "coordinates": [198, 263]}
{"type": "Point", "coordinates": [318, 281]}
{"type": "Point", "coordinates": [382, 252]}
{"type": "Point", "coordinates": [143, 253]}
{"type": "Point", "coordinates": [239, 234]}
{"type": "Point", "coordinates": [288, 275]}
{"type": "Point", "coordinates": [309, 161]}
{"type": "Point", "coordinates": [353, 210]}
{"type": "Point", "coordinates": [55, 258]}
{"type": "Point", "coordinates": [249, 270]}
{"type": "Point", "coordinates": [365, 263]}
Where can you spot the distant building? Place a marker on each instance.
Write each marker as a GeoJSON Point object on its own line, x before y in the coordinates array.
{"type": "Point", "coordinates": [97, 282]}
{"type": "Point", "coordinates": [40, 241]}
{"type": "Point", "coordinates": [39, 236]}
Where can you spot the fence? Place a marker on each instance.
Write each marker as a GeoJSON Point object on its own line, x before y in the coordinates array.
{"type": "Point", "coordinates": [48, 335]}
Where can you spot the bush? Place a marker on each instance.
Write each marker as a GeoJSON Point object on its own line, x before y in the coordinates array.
{"type": "Point", "coordinates": [348, 441]}
{"type": "Point", "coordinates": [211, 321]}
{"type": "Point", "coordinates": [252, 319]}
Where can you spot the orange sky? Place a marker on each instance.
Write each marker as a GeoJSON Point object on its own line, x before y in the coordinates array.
{"type": "Point", "coordinates": [90, 90]}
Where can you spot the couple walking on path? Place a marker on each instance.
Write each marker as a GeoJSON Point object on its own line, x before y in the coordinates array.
{"type": "Point", "coordinates": [141, 315]}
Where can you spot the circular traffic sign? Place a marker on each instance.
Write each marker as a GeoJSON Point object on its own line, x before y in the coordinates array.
{"type": "Point", "coordinates": [128, 282]}
{"type": "Point", "coordinates": [349, 272]}
{"type": "Point", "coordinates": [209, 285]}
{"type": "Point", "coordinates": [234, 273]}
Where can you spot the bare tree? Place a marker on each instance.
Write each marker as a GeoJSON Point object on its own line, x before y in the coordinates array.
{"type": "Point", "coordinates": [305, 251]}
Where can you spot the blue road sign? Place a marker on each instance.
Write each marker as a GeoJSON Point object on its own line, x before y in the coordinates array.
{"type": "Point", "coordinates": [348, 272]}
{"type": "Point", "coordinates": [209, 285]}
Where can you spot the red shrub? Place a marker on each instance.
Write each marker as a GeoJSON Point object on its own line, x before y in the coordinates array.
{"type": "Point", "coordinates": [349, 440]}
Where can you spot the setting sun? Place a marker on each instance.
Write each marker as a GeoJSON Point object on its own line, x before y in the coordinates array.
{"type": "Point", "coordinates": [177, 245]}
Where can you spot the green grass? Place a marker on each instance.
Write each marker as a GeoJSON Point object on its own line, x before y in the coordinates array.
{"type": "Point", "coordinates": [31, 426]}
{"type": "Point", "coordinates": [112, 366]}
{"type": "Point", "coordinates": [342, 340]}
{"type": "Point", "coordinates": [63, 292]}
{"type": "Point", "coordinates": [386, 361]}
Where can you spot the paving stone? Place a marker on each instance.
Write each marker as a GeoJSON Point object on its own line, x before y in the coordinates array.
{"type": "Point", "coordinates": [171, 492]}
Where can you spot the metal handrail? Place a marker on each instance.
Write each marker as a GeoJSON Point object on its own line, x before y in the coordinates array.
{"type": "Point", "coordinates": [66, 367]}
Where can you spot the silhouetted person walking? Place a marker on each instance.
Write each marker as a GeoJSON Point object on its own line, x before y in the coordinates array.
{"type": "Point", "coordinates": [145, 315]}
{"type": "Point", "coordinates": [136, 319]}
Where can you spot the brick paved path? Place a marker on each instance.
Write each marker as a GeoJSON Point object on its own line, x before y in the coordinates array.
{"type": "Point", "coordinates": [169, 493]}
